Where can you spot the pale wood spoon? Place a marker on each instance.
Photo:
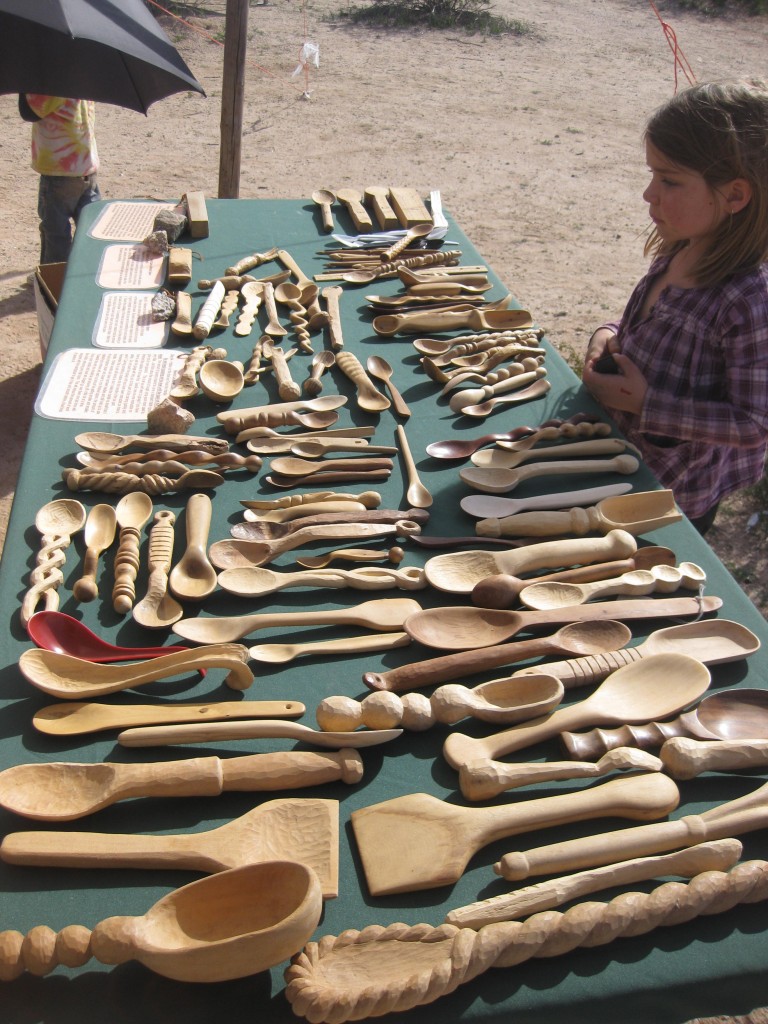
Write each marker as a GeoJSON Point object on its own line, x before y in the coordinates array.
{"type": "Point", "coordinates": [487, 506]}
{"type": "Point", "coordinates": [394, 554]}
{"type": "Point", "coordinates": [61, 675]}
{"type": "Point", "coordinates": [165, 735]}
{"type": "Point", "coordinates": [464, 628]}
{"type": "Point", "coordinates": [229, 925]}
{"type": "Point", "coordinates": [634, 693]}
{"type": "Point", "coordinates": [417, 231]}
{"type": "Point", "coordinates": [77, 719]}
{"type": "Point", "coordinates": [100, 529]}
{"type": "Point", "coordinates": [233, 554]}
{"type": "Point", "coordinates": [100, 441]}
{"type": "Point", "coordinates": [56, 522]}
{"type": "Point", "coordinates": [317, 448]}
{"type": "Point", "coordinates": [193, 577]}
{"type": "Point", "coordinates": [504, 458]}
{"type": "Point", "coordinates": [501, 481]}
{"type": "Point", "coordinates": [537, 389]}
{"type": "Point", "coordinates": [417, 494]}
{"type": "Point", "coordinates": [264, 833]}
{"type": "Point", "coordinates": [158, 609]}
{"type": "Point", "coordinates": [384, 614]}
{"type": "Point", "coordinates": [279, 654]}
{"type": "Point", "coordinates": [380, 368]}
{"type": "Point", "coordinates": [252, 581]}
{"type": "Point", "coordinates": [635, 582]}
{"type": "Point", "coordinates": [133, 512]}
{"type": "Point", "coordinates": [594, 637]}
{"type": "Point", "coordinates": [64, 791]}
{"type": "Point", "coordinates": [325, 199]}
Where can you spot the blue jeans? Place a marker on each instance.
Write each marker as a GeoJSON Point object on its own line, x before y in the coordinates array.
{"type": "Point", "coordinates": [59, 202]}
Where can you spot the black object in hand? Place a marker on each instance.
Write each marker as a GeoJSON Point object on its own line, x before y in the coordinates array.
{"type": "Point", "coordinates": [606, 364]}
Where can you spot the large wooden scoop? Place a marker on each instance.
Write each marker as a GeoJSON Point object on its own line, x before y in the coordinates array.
{"type": "Point", "coordinates": [419, 842]}
{"type": "Point", "coordinates": [666, 681]}
{"type": "Point", "coordinates": [231, 925]}
{"type": "Point", "coordinates": [304, 830]}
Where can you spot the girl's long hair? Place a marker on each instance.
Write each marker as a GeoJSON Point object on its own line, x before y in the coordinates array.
{"type": "Point", "coordinates": [721, 132]}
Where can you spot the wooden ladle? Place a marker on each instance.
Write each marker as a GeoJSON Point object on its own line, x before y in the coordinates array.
{"type": "Point", "coordinates": [627, 695]}
{"type": "Point", "coordinates": [193, 577]}
{"type": "Point", "coordinates": [596, 637]}
{"type": "Point", "coordinates": [64, 791]}
{"type": "Point", "coordinates": [70, 678]}
{"type": "Point", "coordinates": [55, 631]}
{"type": "Point", "coordinates": [229, 925]}
{"type": "Point", "coordinates": [384, 615]}
{"type": "Point", "coordinates": [264, 833]}
{"type": "Point", "coordinates": [100, 529]}
{"type": "Point", "coordinates": [501, 481]}
{"type": "Point", "coordinates": [464, 628]}
{"type": "Point", "coordinates": [325, 199]}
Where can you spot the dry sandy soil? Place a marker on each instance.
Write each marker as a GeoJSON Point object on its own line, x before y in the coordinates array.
{"type": "Point", "coordinates": [533, 141]}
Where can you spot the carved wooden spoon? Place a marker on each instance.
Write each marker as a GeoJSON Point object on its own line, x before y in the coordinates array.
{"type": "Point", "coordinates": [64, 791]}
{"type": "Point", "coordinates": [100, 441]}
{"type": "Point", "coordinates": [228, 925]}
{"type": "Point", "coordinates": [100, 529]}
{"type": "Point", "coordinates": [325, 199]}
{"type": "Point", "coordinates": [213, 732]}
{"type": "Point", "coordinates": [193, 577]}
{"type": "Point", "coordinates": [56, 521]}
{"type": "Point", "coordinates": [380, 368]}
{"type": "Point", "coordinates": [501, 481]}
{"type": "Point", "coordinates": [61, 675]}
{"type": "Point", "coordinates": [385, 614]}
{"type": "Point", "coordinates": [628, 695]}
{"type": "Point", "coordinates": [417, 494]}
{"type": "Point", "coordinates": [252, 581]}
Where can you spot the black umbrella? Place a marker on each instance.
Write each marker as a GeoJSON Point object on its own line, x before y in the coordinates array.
{"type": "Point", "coordinates": [111, 51]}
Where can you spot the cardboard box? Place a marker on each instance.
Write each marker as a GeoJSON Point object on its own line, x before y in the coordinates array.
{"type": "Point", "coordinates": [49, 280]}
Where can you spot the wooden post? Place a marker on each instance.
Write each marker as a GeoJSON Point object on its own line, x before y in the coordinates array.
{"type": "Point", "coordinates": [236, 37]}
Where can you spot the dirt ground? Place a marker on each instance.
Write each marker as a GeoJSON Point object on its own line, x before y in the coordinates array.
{"type": "Point", "coordinates": [533, 141]}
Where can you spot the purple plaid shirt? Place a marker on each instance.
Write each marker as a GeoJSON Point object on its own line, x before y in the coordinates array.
{"type": "Point", "coordinates": [703, 430]}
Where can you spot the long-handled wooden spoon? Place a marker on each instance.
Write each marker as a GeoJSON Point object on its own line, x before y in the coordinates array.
{"type": "Point", "coordinates": [664, 578]}
{"type": "Point", "coordinates": [537, 389]}
{"type": "Point", "coordinates": [418, 842]}
{"type": "Point", "coordinates": [228, 554]}
{"type": "Point", "coordinates": [712, 641]}
{"type": "Point", "coordinates": [229, 925]}
{"type": "Point", "coordinates": [214, 732]}
{"type": "Point", "coordinates": [626, 696]}
{"type": "Point", "coordinates": [64, 791]}
{"type": "Point", "coordinates": [486, 506]}
{"type": "Point", "coordinates": [264, 833]}
{"type": "Point", "coordinates": [70, 678]}
{"type": "Point", "coordinates": [501, 481]}
{"type": "Point", "coordinates": [100, 441]}
{"type": "Point", "coordinates": [292, 466]}
{"type": "Point", "coordinates": [264, 530]}
{"type": "Point", "coordinates": [252, 581]}
{"type": "Point", "coordinates": [100, 529]}
{"type": "Point", "coordinates": [417, 494]}
{"type": "Point", "coordinates": [77, 719]}
{"type": "Point", "coordinates": [279, 654]}
{"type": "Point", "coordinates": [384, 615]}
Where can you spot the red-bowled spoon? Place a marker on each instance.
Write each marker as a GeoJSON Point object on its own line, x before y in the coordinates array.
{"type": "Point", "coordinates": [55, 631]}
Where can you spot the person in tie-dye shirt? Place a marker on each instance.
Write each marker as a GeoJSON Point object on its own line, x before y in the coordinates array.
{"type": "Point", "coordinates": [65, 156]}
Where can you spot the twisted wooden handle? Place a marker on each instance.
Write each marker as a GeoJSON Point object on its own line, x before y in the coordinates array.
{"type": "Point", "coordinates": [355, 975]}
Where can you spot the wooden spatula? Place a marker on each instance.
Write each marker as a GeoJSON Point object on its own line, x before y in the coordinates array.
{"type": "Point", "coordinates": [419, 842]}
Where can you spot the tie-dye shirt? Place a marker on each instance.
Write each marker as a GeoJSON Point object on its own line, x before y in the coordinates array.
{"type": "Point", "coordinates": [63, 142]}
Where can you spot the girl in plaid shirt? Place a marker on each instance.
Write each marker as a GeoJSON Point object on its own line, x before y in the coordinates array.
{"type": "Point", "coordinates": [684, 372]}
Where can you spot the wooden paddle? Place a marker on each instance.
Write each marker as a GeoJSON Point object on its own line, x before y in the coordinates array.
{"type": "Point", "coordinates": [419, 842]}
{"type": "Point", "coordinates": [303, 830]}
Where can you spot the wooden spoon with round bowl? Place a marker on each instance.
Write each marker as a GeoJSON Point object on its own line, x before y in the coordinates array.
{"type": "Point", "coordinates": [635, 582]}
{"type": "Point", "coordinates": [381, 370]}
{"type": "Point", "coordinates": [325, 199]}
{"type": "Point", "coordinates": [628, 695]}
{"type": "Point", "coordinates": [56, 522]}
{"type": "Point", "coordinates": [193, 577]}
{"type": "Point", "coordinates": [501, 481]}
{"type": "Point", "coordinates": [417, 494]}
{"type": "Point", "coordinates": [594, 638]}
{"type": "Point", "coordinates": [228, 925]}
{"type": "Point", "coordinates": [100, 529]}
{"type": "Point", "coordinates": [414, 232]}
{"type": "Point", "coordinates": [221, 380]}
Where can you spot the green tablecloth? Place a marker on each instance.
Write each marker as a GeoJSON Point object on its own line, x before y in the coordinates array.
{"type": "Point", "coordinates": [709, 966]}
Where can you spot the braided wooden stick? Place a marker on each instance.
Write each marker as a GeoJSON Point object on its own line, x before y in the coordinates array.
{"type": "Point", "coordinates": [355, 975]}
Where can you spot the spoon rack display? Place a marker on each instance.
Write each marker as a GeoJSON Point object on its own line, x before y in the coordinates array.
{"type": "Point", "coordinates": [385, 703]}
